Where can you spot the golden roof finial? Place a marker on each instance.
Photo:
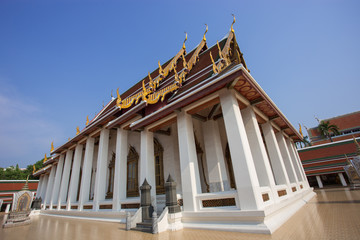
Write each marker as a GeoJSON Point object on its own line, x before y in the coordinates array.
{"type": "Point", "coordinates": [87, 120]}
{"type": "Point", "coordinates": [151, 82]}
{"type": "Point", "coordinates": [232, 30]}
{"type": "Point", "coordinates": [185, 65]}
{"type": "Point", "coordinates": [77, 130]}
{"type": "Point", "coordinates": [34, 169]}
{"type": "Point", "coordinates": [118, 100]}
{"type": "Point", "coordinates": [185, 40]}
{"type": "Point", "coordinates": [161, 71]}
{"type": "Point", "coordinates": [300, 131]}
{"type": "Point", "coordinates": [45, 158]}
{"type": "Point", "coordinates": [204, 38]}
{"type": "Point", "coordinates": [215, 70]}
{"type": "Point", "coordinates": [52, 146]}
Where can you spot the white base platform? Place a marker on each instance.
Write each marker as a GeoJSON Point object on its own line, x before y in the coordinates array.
{"type": "Point", "coordinates": [264, 221]}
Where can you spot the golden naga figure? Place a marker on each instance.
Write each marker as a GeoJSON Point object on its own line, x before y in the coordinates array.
{"type": "Point", "coordinates": [77, 130]}
{"type": "Point", "coordinates": [118, 100]}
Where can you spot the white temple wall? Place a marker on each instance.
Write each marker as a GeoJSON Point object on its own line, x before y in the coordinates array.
{"type": "Point", "coordinates": [93, 172]}
{"type": "Point", "coordinates": [111, 150]}
{"type": "Point", "coordinates": [224, 141]}
{"type": "Point", "coordinates": [168, 154]}
{"type": "Point", "coordinates": [175, 167]}
{"type": "Point", "coordinates": [204, 178]}
{"type": "Point", "coordinates": [134, 141]}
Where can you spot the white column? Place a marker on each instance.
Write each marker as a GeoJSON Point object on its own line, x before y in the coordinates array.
{"type": "Point", "coordinates": [101, 169]}
{"type": "Point", "coordinates": [50, 185]}
{"type": "Point", "coordinates": [58, 175]}
{"type": "Point", "coordinates": [258, 151]}
{"type": "Point", "coordinates": [86, 173]}
{"type": "Point", "coordinates": [38, 191]}
{"type": "Point", "coordinates": [214, 157]}
{"type": "Point", "coordinates": [247, 183]}
{"type": "Point", "coordinates": [295, 162]}
{"type": "Point", "coordinates": [342, 179]}
{"type": "Point", "coordinates": [276, 159]}
{"type": "Point", "coordinates": [120, 168]}
{"type": "Point", "coordinates": [75, 175]}
{"type": "Point", "coordinates": [286, 157]}
{"type": "Point", "coordinates": [319, 181]}
{"type": "Point", "coordinates": [65, 178]}
{"type": "Point", "coordinates": [147, 165]}
{"type": "Point", "coordinates": [190, 179]}
{"type": "Point", "coordinates": [302, 167]}
{"type": "Point", "coordinates": [43, 188]}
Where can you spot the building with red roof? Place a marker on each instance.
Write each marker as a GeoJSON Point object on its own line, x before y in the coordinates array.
{"type": "Point", "coordinates": [324, 161]}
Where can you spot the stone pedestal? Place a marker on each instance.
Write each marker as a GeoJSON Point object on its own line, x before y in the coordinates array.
{"type": "Point", "coordinates": [171, 199]}
{"type": "Point", "coordinates": [145, 203]}
{"type": "Point", "coordinates": [15, 219]}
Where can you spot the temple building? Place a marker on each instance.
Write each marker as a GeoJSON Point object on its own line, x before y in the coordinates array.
{"type": "Point", "coordinates": [324, 159]}
{"type": "Point", "coordinates": [200, 118]}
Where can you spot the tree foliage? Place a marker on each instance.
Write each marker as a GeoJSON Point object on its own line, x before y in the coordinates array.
{"type": "Point", "coordinates": [326, 129]}
{"type": "Point", "coordinates": [15, 173]}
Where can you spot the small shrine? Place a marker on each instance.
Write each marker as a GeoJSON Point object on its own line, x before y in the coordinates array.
{"type": "Point", "coordinates": [20, 211]}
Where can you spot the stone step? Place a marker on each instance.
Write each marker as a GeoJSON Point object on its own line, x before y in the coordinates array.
{"type": "Point", "coordinates": [140, 229]}
{"type": "Point", "coordinates": [147, 224]}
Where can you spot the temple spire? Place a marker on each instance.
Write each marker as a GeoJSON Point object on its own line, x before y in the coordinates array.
{"type": "Point", "coordinates": [26, 186]}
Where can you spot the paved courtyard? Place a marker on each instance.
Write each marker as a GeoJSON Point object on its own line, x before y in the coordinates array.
{"type": "Point", "coordinates": [332, 214]}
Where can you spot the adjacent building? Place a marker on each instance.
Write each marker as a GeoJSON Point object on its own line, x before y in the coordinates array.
{"type": "Point", "coordinates": [9, 187]}
{"type": "Point", "coordinates": [201, 118]}
{"type": "Point", "coordinates": [324, 161]}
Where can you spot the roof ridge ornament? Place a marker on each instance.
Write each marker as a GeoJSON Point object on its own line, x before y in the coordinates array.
{"type": "Point", "coordinates": [77, 130]}
{"type": "Point", "coordinates": [184, 47]}
{"type": "Point", "coordinates": [87, 120]}
{"type": "Point", "coordinates": [232, 29]}
{"type": "Point", "coordinates": [204, 38]}
{"type": "Point", "coordinates": [52, 146]}
{"type": "Point", "coordinates": [45, 158]}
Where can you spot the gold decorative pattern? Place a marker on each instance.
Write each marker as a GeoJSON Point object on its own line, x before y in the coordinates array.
{"type": "Point", "coordinates": [153, 84]}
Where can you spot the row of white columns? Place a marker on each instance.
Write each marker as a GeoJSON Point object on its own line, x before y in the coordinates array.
{"type": "Point", "coordinates": [254, 166]}
{"type": "Point", "coordinates": [59, 188]}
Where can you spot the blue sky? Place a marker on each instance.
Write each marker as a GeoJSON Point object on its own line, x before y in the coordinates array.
{"type": "Point", "coordinates": [60, 60]}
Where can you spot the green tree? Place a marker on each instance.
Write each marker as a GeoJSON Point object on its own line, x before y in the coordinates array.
{"type": "Point", "coordinates": [325, 129]}
{"type": "Point", "coordinates": [14, 173]}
